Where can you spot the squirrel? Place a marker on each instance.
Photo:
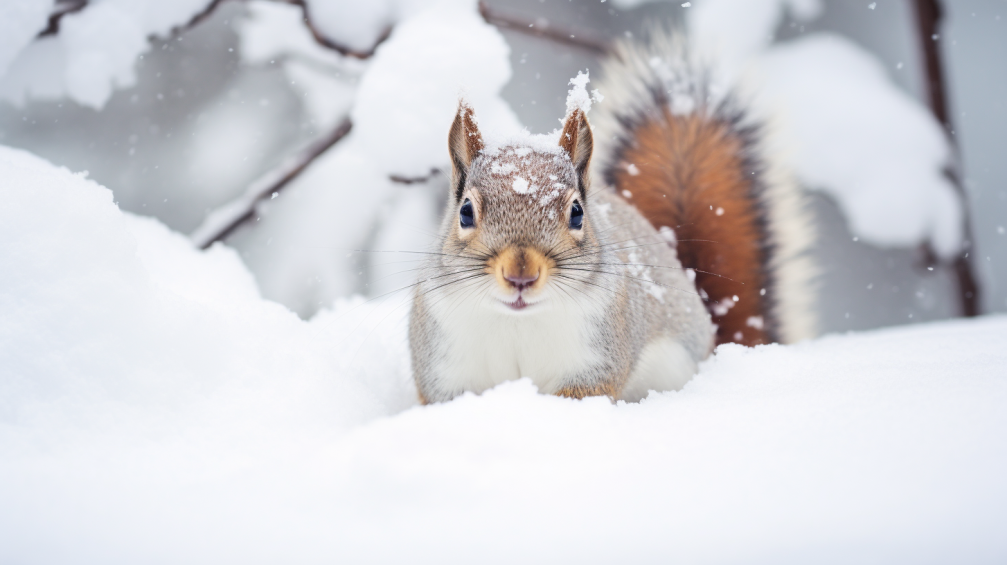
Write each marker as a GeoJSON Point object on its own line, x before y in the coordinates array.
{"type": "Point", "coordinates": [613, 271]}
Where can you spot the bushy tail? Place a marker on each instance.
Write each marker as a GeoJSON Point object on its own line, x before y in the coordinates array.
{"type": "Point", "coordinates": [691, 159]}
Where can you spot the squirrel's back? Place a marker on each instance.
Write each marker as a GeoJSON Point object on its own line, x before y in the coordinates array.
{"type": "Point", "coordinates": [692, 159]}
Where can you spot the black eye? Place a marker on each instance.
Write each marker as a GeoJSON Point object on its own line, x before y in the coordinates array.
{"type": "Point", "coordinates": [576, 216]}
{"type": "Point", "coordinates": [466, 216]}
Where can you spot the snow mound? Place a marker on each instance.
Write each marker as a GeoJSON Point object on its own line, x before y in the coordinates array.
{"type": "Point", "coordinates": [155, 408]}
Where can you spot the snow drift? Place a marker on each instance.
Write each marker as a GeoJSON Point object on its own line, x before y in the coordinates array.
{"type": "Point", "coordinates": [153, 408]}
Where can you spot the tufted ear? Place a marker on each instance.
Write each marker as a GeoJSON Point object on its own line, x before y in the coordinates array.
{"type": "Point", "coordinates": [464, 143]}
{"type": "Point", "coordinates": [578, 142]}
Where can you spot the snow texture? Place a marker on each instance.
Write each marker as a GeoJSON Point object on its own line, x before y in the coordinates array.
{"type": "Point", "coordinates": [577, 98]}
{"type": "Point", "coordinates": [155, 409]}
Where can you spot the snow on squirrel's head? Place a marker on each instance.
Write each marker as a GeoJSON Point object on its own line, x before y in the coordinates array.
{"type": "Point", "coordinates": [519, 209]}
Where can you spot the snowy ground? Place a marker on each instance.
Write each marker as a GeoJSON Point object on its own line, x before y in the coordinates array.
{"type": "Point", "coordinates": [154, 409]}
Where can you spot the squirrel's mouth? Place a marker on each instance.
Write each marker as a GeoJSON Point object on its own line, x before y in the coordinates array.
{"type": "Point", "coordinates": [518, 304]}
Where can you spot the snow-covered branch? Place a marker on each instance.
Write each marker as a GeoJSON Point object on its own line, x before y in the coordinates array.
{"type": "Point", "coordinates": [224, 220]}
{"type": "Point", "coordinates": [62, 8]}
{"type": "Point", "coordinates": [545, 29]}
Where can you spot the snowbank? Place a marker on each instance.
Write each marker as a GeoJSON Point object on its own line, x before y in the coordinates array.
{"type": "Point", "coordinates": [155, 409]}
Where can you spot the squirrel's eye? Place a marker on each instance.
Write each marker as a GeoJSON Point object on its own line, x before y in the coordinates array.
{"type": "Point", "coordinates": [466, 216]}
{"type": "Point", "coordinates": [576, 216]}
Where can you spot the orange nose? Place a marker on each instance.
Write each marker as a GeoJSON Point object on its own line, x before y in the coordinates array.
{"type": "Point", "coordinates": [521, 281]}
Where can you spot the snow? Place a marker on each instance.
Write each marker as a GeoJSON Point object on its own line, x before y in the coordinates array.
{"type": "Point", "coordinates": [836, 119]}
{"type": "Point", "coordinates": [731, 31]}
{"type": "Point", "coordinates": [357, 25]}
{"type": "Point", "coordinates": [157, 409]}
{"type": "Point", "coordinates": [880, 155]}
{"type": "Point", "coordinates": [577, 98]}
{"type": "Point", "coordinates": [304, 244]}
{"type": "Point", "coordinates": [303, 247]}
{"type": "Point", "coordinates": [410, 93]}
{"type": "Point", "coordinates": [20, 22]}
{"type": "Point", "coordinates": [274, 31]}
{"type": "Point", "coordinates": [94, 52]}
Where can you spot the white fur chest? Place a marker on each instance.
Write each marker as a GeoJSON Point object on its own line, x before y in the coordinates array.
{"type": "Point", "coordinates": [486, 347]}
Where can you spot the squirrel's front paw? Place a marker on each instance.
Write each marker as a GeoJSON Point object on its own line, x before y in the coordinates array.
{"type": "Point", "coordinates": [581, 391]}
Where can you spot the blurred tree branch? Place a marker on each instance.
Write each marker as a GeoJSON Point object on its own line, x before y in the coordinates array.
{"type": "Point", "coordinates": [60, 9]}
{"type": "Point", "coordinates": [221, 222]}
{"type": "Point", "coordinates": [928, 20]}
{"type": "Point", "coordinates": [541, 27]}
{"type": "Point", "coordinates": [224, 220]}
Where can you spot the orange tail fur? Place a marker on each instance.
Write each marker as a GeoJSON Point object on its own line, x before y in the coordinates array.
{"type": "Point", "coordinates": [695, 163]}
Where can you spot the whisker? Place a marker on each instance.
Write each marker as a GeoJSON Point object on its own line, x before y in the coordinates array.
{"type": "Point", "coordinates": [477, 257]}
{"type": "Point", "coordinates": [570, 277]}
{"type": "Point", "coordinates": [657, 267]}
{"type": "Point", "coordinates": [636, 279]}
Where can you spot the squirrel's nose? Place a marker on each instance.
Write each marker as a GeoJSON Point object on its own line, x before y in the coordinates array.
{"type": "Point", "coordinates": [521, 282]}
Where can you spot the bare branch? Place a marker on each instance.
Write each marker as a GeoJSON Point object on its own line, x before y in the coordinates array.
{"type": "Point", "coordinates": [541, 27]}
{"type": "Point", "coordinates": [62, 8]}
{"type": "Point", "coordinates": [318, 36]}
{"type": "Point", "coordinates": [221, 222]}
{"type": "Point", "coordinates": [414, 180]}
{"type": "Point", "coordinates": [928, 20]}
{"type": "Point", "coordinates": [335, 45]}
{"type": "Point", "coordinates": [198, 18]}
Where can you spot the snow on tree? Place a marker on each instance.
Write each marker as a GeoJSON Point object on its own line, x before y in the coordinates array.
{"type": "Point", "coordinates": [820, 94]}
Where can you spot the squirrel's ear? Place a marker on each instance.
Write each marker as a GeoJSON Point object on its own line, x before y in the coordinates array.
{"type": "Point", "coordinates": [464, 143]}
{"type": "Point", "coordinates": [578, 142]}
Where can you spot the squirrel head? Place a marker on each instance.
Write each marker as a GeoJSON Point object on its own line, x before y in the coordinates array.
{"type": "Point", "coordinates": [519, 212]}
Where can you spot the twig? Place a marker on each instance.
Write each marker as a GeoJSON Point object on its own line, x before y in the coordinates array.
{"type": "Point", "coordinates": [545, 29]}
{"type": "Point", "coordinates": [318, 36]}
{"type": "Point", "coordinates": [928, 19]}
{"type": "Point", "coordinates": [198, 18]}
{"type": "Point", "coordinates": [221, 222]}
{"type": "Point", "coordinates": [62, 8]}
{"type": "Point", "coordinates": [414, 180]}
{"type": "Point", "coordinates": [335, 45]}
